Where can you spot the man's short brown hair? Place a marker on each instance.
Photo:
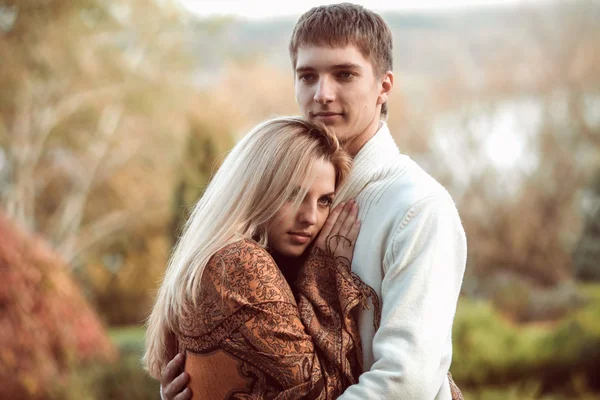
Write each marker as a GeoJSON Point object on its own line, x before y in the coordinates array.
{"type": "Point", "coordinates": [339, 25]}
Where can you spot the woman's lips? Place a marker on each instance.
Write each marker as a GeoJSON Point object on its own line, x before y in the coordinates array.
{"type": "Point", "coordinates": [300, 237]}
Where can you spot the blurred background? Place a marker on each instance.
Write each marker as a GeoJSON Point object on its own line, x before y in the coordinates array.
{"type": "Point", "coordinates": [114, 114]}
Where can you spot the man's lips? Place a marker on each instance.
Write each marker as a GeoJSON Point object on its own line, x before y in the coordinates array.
{"type": "Point", "coordinates": [325, 114]}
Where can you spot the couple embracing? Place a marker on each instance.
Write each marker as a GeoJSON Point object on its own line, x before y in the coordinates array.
{"type": "Point", "coordinates": [320, 263]}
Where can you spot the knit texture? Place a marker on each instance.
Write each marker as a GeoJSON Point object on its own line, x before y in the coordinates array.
{"type": "Point", "coordinates": [412, 251]}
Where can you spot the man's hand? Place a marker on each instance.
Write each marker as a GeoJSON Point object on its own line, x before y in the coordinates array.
{"type": "Point", "coordinates": [173, 381]}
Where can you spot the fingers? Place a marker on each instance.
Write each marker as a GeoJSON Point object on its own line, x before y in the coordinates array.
{"type": "Point", "coordinates": [351, 218]}
{"type": "Point", "coordinates": [328, 225]}
{"type": "Point", "coordinates": [172, 369]}
{"type": "Point", "coordinates": [173, 389]}
{"type": "Point", "coordinates": [335, 230]}
{"type": "Point", "coordinates": [332, 219]}
{"type": "Point", "coordinates": [173, 381]}
{"type": "Point", "coordinates": [185, 395]}
{"type": "Point", "coordinates": [354, 230]}
{"type": "Point", "coordinates": [340, 227]}
{"type": "Point", "coordinates": [351, 226]}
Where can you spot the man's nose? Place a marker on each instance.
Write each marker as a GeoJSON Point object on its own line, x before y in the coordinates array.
{"type": "Point", "coordinates": [325, 92]}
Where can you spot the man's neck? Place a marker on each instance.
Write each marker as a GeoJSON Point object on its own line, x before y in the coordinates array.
{"type": "Point", "coordinates": [354, 145]}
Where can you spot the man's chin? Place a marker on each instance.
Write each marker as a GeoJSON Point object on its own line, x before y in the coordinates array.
{"type": "Point", "coordinates": [339, 131]}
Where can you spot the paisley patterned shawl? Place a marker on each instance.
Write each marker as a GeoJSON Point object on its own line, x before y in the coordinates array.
{"type": "Point", "coordinates": [253, 336]}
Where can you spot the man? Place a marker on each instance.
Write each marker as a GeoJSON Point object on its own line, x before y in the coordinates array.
{"type": "Point", "coordinates": [412, 246]}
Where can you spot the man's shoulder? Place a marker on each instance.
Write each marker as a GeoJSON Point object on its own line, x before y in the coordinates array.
{"type": "Point", "coordinates": [412, 186]}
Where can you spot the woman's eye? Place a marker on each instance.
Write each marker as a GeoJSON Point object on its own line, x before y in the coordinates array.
{"type": "Point", "coordinates": [326, 201]}
{"type": "Point", "coordinates": [293, 195]}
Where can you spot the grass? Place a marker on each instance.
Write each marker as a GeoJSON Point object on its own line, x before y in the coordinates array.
{"type": "Point", "coordinates": [128, 338]}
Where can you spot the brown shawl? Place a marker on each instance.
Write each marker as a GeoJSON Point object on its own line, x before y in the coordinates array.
{"type": "Point", "coordinates": [249, 337]}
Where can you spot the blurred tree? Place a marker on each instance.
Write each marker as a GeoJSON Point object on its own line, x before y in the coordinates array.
{"type": "Point", "coordinates": [537, 235]}
{"type": "Point", "coordinates": [532, 101]}
{"type": "Point", "coordinates": [95, 107]}
{"type": "Point", "coordinates": [47, 325]}
{"type": "Point", "coordinates": [209, 139]}
{"type": "Point", "coordinates": [586, 256]}
{"type": "Point", "coordinates": [88, 87]}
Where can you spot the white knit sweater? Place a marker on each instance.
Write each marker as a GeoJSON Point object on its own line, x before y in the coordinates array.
{"type": "Point", "coordinates": [412, 251]}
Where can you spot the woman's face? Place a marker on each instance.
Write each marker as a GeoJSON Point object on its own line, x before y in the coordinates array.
{"type": "Point", "coordinates": [293, 229]}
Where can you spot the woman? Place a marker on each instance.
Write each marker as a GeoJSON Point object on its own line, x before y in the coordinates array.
{"type": "Point", "coordinates": [251, 327]}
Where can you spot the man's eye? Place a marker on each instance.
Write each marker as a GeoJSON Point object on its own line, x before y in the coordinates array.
{"type": "Point", "coordinates": [306, 77]}
{"type": "Point", "coordinates": [345, 75]}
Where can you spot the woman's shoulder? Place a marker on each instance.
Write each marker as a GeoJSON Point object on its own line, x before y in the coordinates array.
{"type": "Point", "coordinates": [241, 249]}
{"type": "Point", "coordinates": [242, 253]}
{"type": "Point", "coordinates": [248, 270]}
{"type": "Point", "coordinates": [238, 278]}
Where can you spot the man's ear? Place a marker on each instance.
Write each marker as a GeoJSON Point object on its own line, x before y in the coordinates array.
{"type": "Point", "coordinates": [386, 86]}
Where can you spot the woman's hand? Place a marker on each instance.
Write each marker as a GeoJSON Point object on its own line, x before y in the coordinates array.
{"type": "Point", "coordinates": [339, 233]}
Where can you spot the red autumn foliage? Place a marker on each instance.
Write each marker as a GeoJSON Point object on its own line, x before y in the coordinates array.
{"type": "Point", "coordinates": [46, 325]}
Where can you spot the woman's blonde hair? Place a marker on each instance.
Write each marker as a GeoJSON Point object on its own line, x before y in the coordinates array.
{"type": "Point", "coordinates": [260, 174]}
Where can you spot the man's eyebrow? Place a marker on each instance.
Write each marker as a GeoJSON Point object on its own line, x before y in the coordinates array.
{"type": "Point", "coordinates": [346, 66]}
{"type": "Point", "coordinates": [305, 68]}
{"type": "Point", "coordinates": [302, 68]}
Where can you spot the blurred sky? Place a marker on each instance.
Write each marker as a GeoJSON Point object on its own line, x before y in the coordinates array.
{"type": "Point", "coordinates": [257, 9]}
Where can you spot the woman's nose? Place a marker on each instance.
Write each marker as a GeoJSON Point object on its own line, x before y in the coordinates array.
{"type": "Point", "coordinates": [307, 214]}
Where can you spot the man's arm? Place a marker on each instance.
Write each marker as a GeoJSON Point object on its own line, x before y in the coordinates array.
{"type": "Point", "coordinates": [424, 265]}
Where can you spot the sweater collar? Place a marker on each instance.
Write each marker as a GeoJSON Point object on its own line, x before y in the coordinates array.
{"type": "Point", "coordinates": [374, 156]}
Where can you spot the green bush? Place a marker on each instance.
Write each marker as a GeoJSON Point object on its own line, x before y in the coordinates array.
{"type": "Point", "coordinates": [560, 357]}
{"type": "Point", "coordinates": [124, 379]}
{"type": "Point", "coordinates": [522, 301]}
{"type": "Point", "coordinates": [586, 256]}
{"type": "Point", "coordinates": [525, 391]}
{"type": "Point", "coordinates": [493, 358]}
{"type": "Point", "coordinates": [121, 380]}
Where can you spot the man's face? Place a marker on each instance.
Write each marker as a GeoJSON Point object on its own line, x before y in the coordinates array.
{"type": "Point", "coordinates": [338, 86]}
